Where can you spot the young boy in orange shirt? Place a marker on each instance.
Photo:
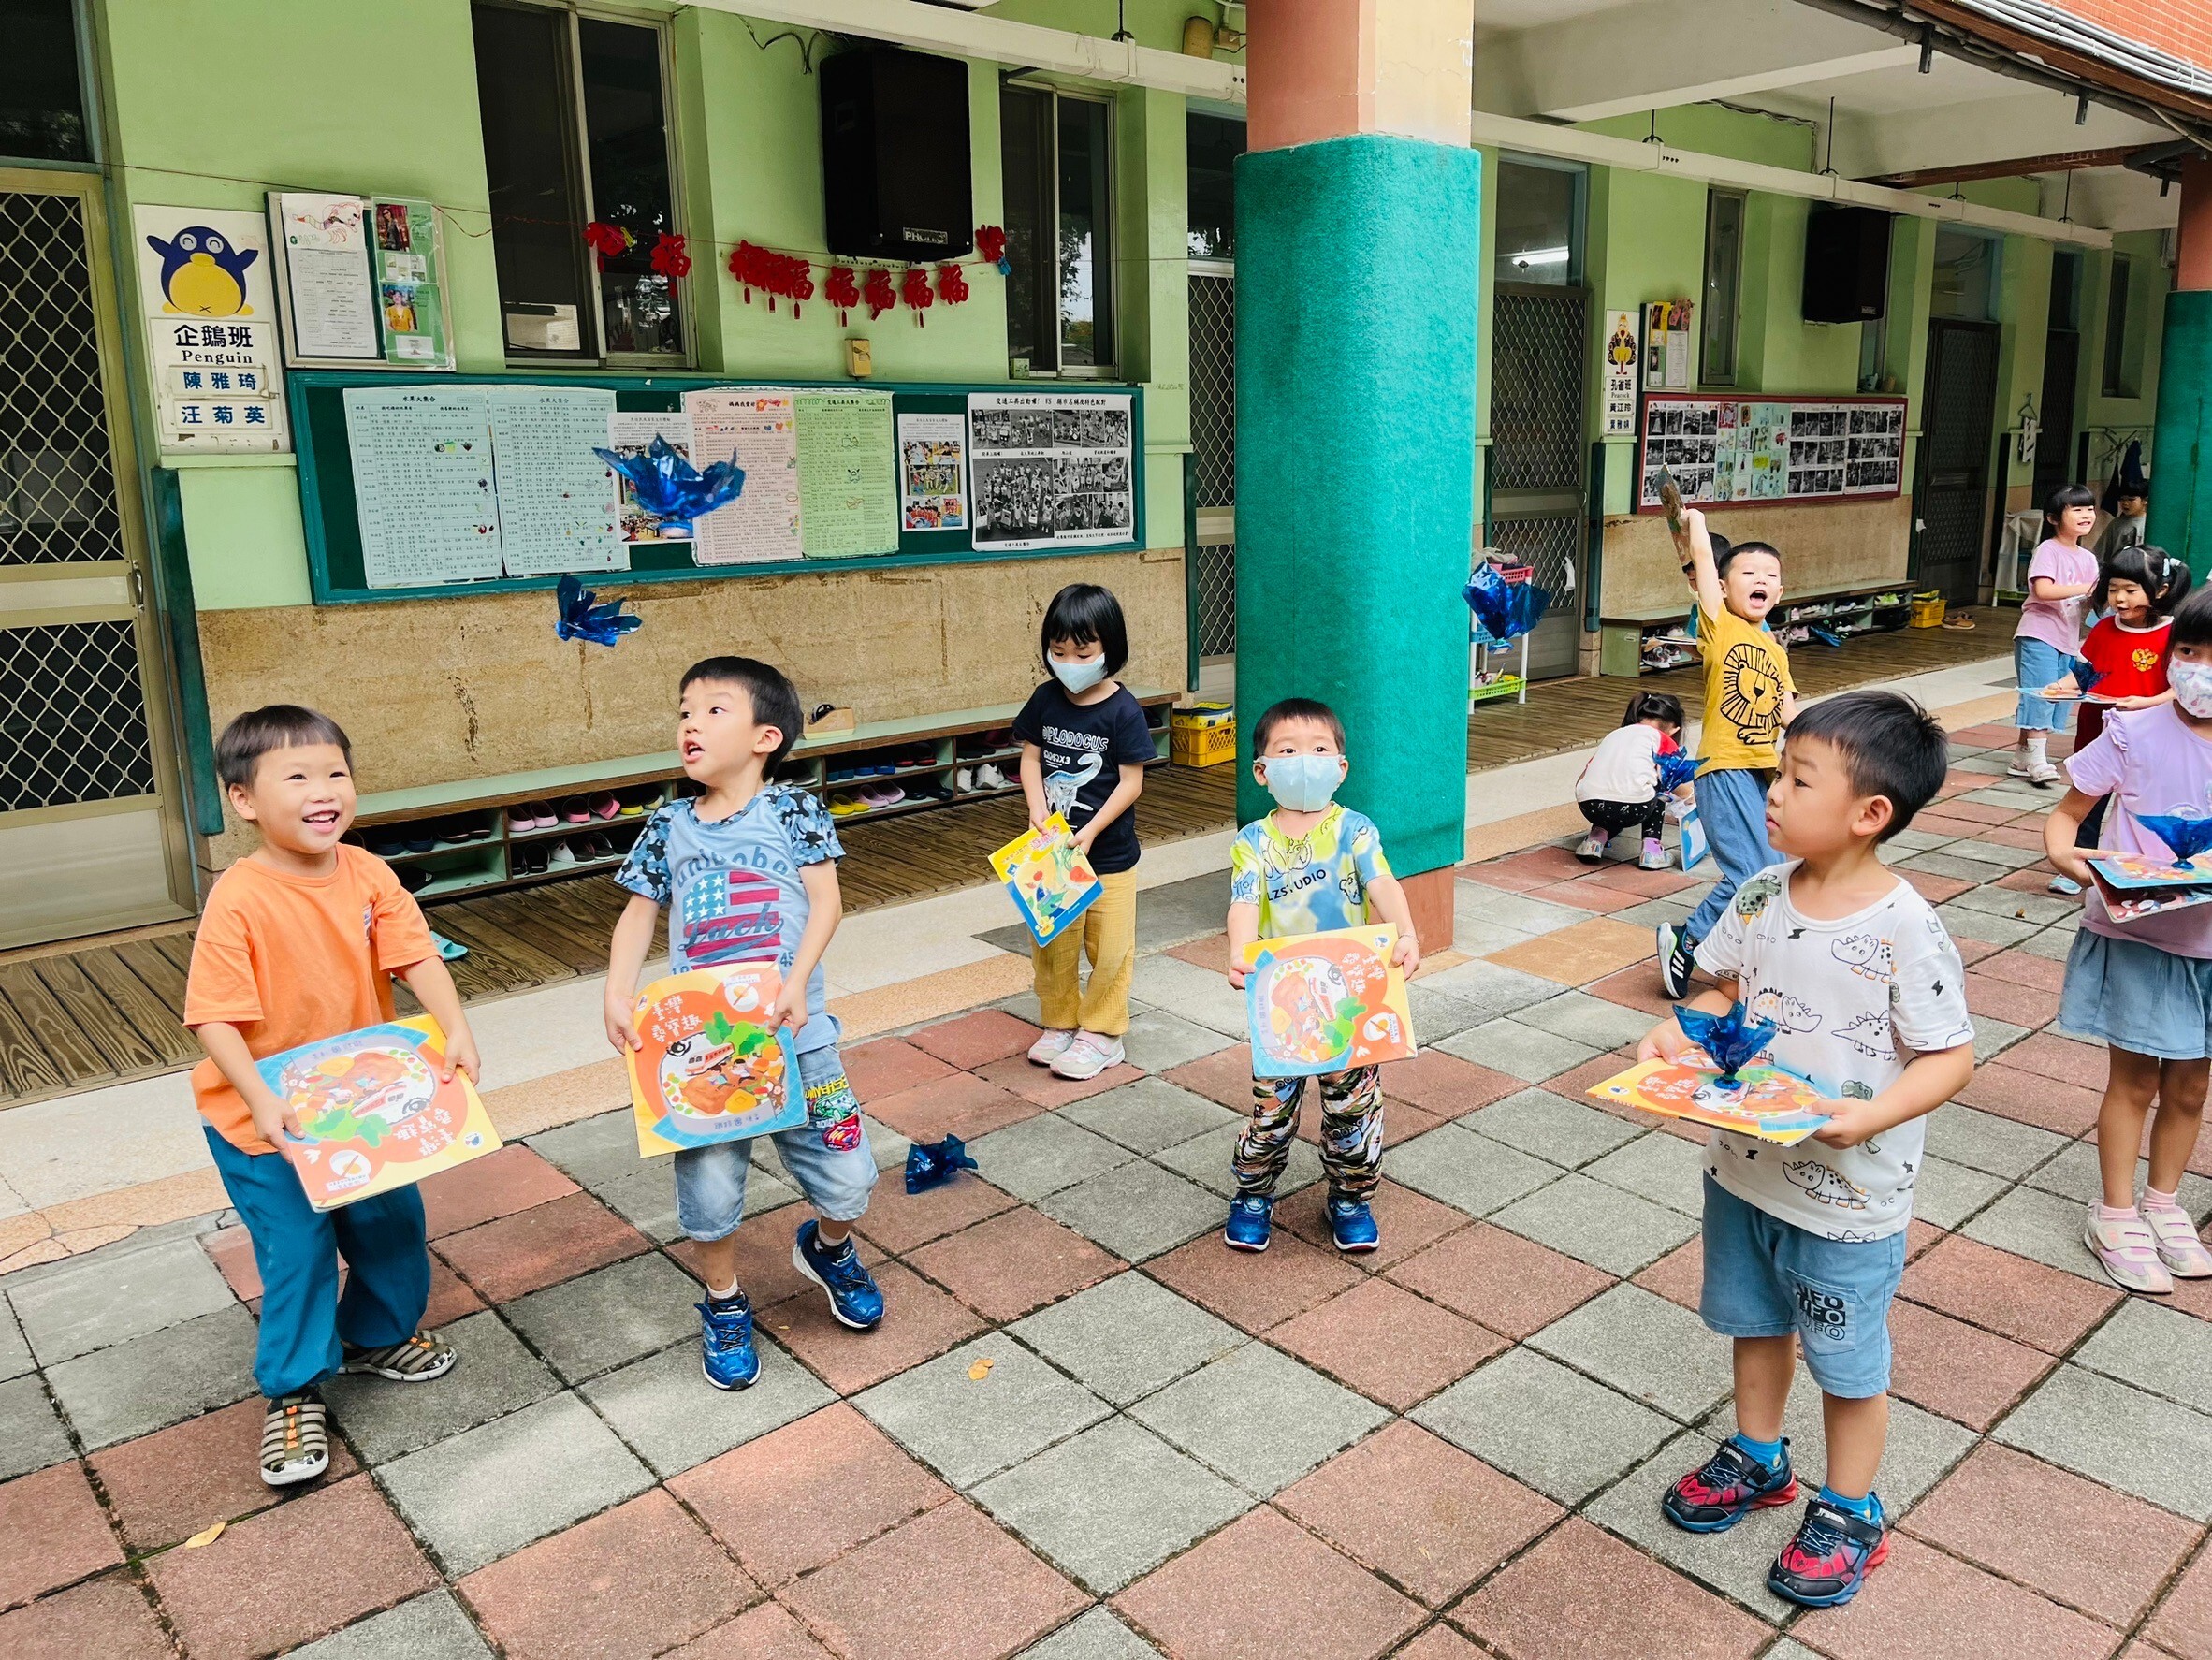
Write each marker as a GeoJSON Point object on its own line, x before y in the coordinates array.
{"type": "Point", "coordinates": [299, 941]}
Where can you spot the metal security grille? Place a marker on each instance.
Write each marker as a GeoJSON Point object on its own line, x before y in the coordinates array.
{"type": "Point", "coordinates": [72, 716]}
{"type": "Point", "coordinates": [1552, 546]}
{"type": "Point", "coordinates": [1952, 496]}
{"type": "Point", "coordinates": [1538, 347]}
{"type": "Point", "coordinates": [1214, 388]}
{"type": "Point", "coordinates": [1217, 599]}
{"type": "Point", "coordinates": [57, 479]}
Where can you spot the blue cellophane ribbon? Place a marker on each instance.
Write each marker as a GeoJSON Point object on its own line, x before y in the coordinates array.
{"type": "Point", "coordinates": [1731, 1040]}
{"type": "Point", "coordinates": [2086, 674]}
{"type": "Point", "coordinates": [583, 615]}
{"type": "Point", "coordinates": [2188, 837]}
{"type": "Point", "coordinates": [1506, 610]}
{"type": "Point", "coordinates": [669, 487]}
{"type": "Point", "coordinates": [1676, 770]}
{"type": "Point", "coordinates": [932, 1164]}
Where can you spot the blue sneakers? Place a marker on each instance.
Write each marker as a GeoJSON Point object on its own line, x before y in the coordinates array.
{"type": "Point", "coordinates": [852, 1294]}
{"type": "Point", "coordinates": [1353, 1224]}
{"type": "Point", "coordinates": [726, 1353]}
{"type": "Point", "coordinates": [1251, 1220]}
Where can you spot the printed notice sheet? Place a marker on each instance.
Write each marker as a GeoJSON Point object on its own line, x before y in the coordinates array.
{"type": "Point", "coordinates": [326, 259]}
{"type": "Point", "coordinates": [757, 427]}
{"type": "Point", "coordinates": [424, 484]}
{"type": "Point", "coordinates": [630, 432]}
{"type": "Point", "coordinates": [558, 504]}
{"type": "Point", "coordinates": [1051, 469]}
{"type": "Point", "coordinates": [932, 473]}
{"type": "Point", "coordinates": [848, 474]}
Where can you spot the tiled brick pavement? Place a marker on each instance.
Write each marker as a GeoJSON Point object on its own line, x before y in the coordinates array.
{"type": "Point", "coordinates": [1451, 1447]}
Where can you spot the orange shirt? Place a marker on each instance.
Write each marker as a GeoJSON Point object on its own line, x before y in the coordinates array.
{"type": "Point", "coordinates": [289, 959]}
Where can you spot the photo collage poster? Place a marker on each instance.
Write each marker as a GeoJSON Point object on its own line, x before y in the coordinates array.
{"type": "Point", "coordinates": [1740, 450]}
{"type": "Point", "coordinates": [1051, 469]}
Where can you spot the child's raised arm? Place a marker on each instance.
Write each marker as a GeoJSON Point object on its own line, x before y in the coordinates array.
{"type": "Point", "coordinates": [1695, 544]}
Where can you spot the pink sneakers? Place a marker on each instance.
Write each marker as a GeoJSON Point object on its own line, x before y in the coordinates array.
{"type": "Point", "coordinates": [1050, 1045]}
{"type": "Point", "coordinates": [2127, 1249]}
{"type": "Point", "coordinates": [2179, 1248]}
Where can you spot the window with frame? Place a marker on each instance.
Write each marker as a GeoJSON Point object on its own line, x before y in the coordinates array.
{"type": "Point", "coordinates": [1723, 286]}
{"type": "Point", "coordinates": [1539, 222]}
{"type": "Point", "coordinates": [576, 129]}
{"type": "Point", "coordinates": [42, 92]}
{"type": "Point", "coordinates": [1055, 156]}
{"type": "Point", "coordinates": [1969, 267]}
{"type": "Point", "coordinates": [2117, 382]}
{"type": "Point", "coordinates": [1212, 145]}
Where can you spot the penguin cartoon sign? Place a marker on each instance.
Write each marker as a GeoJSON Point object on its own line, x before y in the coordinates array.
{"type": "Point", "coordinates": [204, 263]}
{"type": "Point", "coordinates": [211, 325]}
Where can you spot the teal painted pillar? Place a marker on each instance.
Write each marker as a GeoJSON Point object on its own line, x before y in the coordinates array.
{"type": "Point", "coordinates": [1356, 333]}
{"type": "Point", "coordinates": [2181, 439]}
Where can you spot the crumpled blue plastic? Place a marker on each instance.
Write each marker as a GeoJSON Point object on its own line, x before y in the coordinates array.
{"type": "Point", "coordinates": [583, 615]}
{"type": "Point", "coordinates": [932, 1164]}
{"type": "Point", "coordinates": [2086, 674]}
{"type": "Point", "coordinates": [1675, 771]}
{"type": "Point", "coordinates": [1731, 1040]}
{"type": "Point", "coordinates": [2188, 837]}
{"type": "Point", "coordinates": [668, 487]}
{"type": "Point", "coordinates": [1506, 610]}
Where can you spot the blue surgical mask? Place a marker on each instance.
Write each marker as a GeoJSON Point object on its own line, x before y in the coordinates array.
{"type": "Point", "coordinates": [1081, 674]}
{"type": "Point", "coordinates": [1302, 783]}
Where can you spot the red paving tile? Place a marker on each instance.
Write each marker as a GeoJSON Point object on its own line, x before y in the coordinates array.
{"type": "Point", "coordinates": [764, 1633]}
{"type": "Point", "coordinates": [1409, 1222]}
{"type": "Point", "coordinates": [1388, 1344]}
{"type": "Point", "coordinates": [887, 1066]}
{"type": "Point", "coordinates": [634, 1581]}
{"type": "Point", "coordinates": [1576, 1082]}
{"type": "Point", "coordinates": [919, 1322]}
{"type": "Point", "coordinates": [450, 1299]}
{"type": "Point", "coordinates": [2024, 968]}
{"type": "Point", "coordinates": [1505, 878]}
{"type": "Point", "coordinates": [267, 1583]}
{"type": "Point", "coordinates": [1958, 1370]}
{"type": "Point", "coordinates": [2029, 1097]}
{"type": "Point", "coordinates": [1551, 861]}
{"type": "Point", "coordinates": [1979, 812]}
{"type": "Point", "coordinates": [2027, 837]}
{"type": "Point", "coordinates": [483, 1189]}
{"type": "Point", "coordinates": [2053, 1057]}
{"type": "Point", "coordinates": [1223, 1077]}
{"type": "Point", "coordinates": [948, 1585]}
{"type": "Point", "coordinates": [2043, 1307]}
{"type": "Point", "coordinates": [1921, 1602]}
{"type": "Point", "coordinates": [1500, 1280]}
{"type": "Point", "coordinates": [1444, 1084]}
{"type": "Point", "coordinates": [2028, 878]}
{"type": "Point", "coordinates": [2005, 999]}
{"type": "Point", "coordinates": [1419, 1511]}
{"type": "Point", "coordinates": [971, 1042]}
{"type": "Point", "coordinates": [231, 1250]}
{"type": "Point", "coordinates": [107, 1618]}
{"type": "Point", "coordinates": [2099, 1550]}
{"type": "Point", "coordinates": [1582, 1595]}
{"type": "Point", "coordinates": [1679, 1276]}
{"type": "Point", "coordinates": [1933, 888]}
{"type": "Point", "coordinates": [169, 1485]}
{"type": "Point", "coordinates": [1644, 884]}
{"type": "Point", "coordinates": [1264, 1586]}
{"type": "Point", "coordinates": [804, 1494]}
{"type": "Point", "coordinates": [958, 1103]}
{"type": "Point", "coordinates": [2183, 1624]}
{"type": "Point", "coordinates": [898, 1221]}
{"type": "Point", "coordinates": [55, 1533]}
{"type": "Point", "coordinates": [1014, 1262]}
{"type": "Point", "coordinates": [541, 1246]}
{"type": "Point", "coordinates": [1586, 894]}
{"type": "Point", "coordinates": [1210, 952]}
{"type": "Point", "coordinates": [1945, 824]}
{"type": "Point", "coordinates": [1253, 1290]}
{"type": "Point", "coordinates": [1972, 951]}
{"type": "Point", "coordinates": [1047, 1088]}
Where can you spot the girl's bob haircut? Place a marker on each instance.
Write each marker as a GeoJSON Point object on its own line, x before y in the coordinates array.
{"type": "Point", "coordinates": [1080, 614]}
{"type": "Point", "coordinates": [2065, 496]}
{"type": "Point", "coordinates": [1655, 706]}
{"type": "Point", "coordinates": [2164, 578]}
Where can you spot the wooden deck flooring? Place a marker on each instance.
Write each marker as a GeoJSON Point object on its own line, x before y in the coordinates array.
{"type": "Point", "coordinates": [77, 1018]}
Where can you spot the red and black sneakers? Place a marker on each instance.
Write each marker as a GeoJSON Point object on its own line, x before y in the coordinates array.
{"type": "Point", "coordinates": [1830, 1557]}
{"type": "Point", "coordinates": [1726, 1487]}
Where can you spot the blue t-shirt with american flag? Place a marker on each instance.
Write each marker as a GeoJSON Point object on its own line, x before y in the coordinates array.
{"type": "Point", "coordinates": [733, 887]}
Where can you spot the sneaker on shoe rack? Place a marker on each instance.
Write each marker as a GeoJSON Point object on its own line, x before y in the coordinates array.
{"type": "Point", "coordinates": [726, 1351]}
{"type": "Point", "coordinates": [853, 1296]}
{"type": "Point", "coordinates": [1051, 1045]}
{"type": "Point", "coordinates": [1726, 1487]}
{"type": "Point", "coordinates": [1678, 958]}
{"type": "Point", "coordinates": [988, 777]}
{"type": "Point", "coordinates": [1590, 850]}
{"type": "Point", "coordinates": [1831, 1557]}
{"type": "Point", "coordinates": [1251, 1220]}
{"type": "Point", "coordinates": [1087, 1055]}
{"type": "Point", "coordinates": [2178, 1246]}
{"type": "Point", "coordinates": [1654, 856]}
{"type": "Point", "coordinates": [2127, 1251]}
{"type": "Point", "coordinates": [1351, 1223]}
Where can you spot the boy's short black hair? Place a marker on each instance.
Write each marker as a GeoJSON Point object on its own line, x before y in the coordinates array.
{"type": "Point", "coordinates": [1653, 706]}
{"type": "Point", "coordinates": [1890, 744]}
{"type": "Point", "coordinates": [1084, 612]}
{"type": "Point", "coordinates": [1725, 553]}
{"type": "Point", "coordinates": [2192, 621]}
{"type": "Point", "coordinates": [277, 726]}
{"type": "Point", "coordinates": [2155, 571]}
{"type": "Point", "coordinates": [2065, 496]}
{"type": "Point", "coordinates": [774, 699]}
{"type": "Point", "coordinates": [1295, 709]}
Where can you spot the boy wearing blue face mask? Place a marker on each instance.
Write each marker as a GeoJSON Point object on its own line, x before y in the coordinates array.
{"type": "Point", "coordinates": [1310, 865]}
{"type": "Point", "coordinates": [1084, 744]}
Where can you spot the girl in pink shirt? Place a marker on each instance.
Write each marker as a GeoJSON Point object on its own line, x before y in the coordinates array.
{"type": "Point", "coordinates": [2048, 639]}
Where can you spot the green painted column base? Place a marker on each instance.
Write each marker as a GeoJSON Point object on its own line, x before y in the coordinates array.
{"type": "Point", "coordinates": [2181, 442]}
{"type": "Point", "coordinates": [1357, 261]}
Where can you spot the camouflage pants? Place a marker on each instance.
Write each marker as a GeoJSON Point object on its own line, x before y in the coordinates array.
{"type": "Point", "coordinates": [1351, 1131]}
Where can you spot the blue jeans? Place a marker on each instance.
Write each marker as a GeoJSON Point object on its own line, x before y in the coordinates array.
{"type": "Point", "coordinates": [296, 1247]}
{"type": "Point", "coordinates": [828, 1157]}
{"type": "Point", "coordinates": [2035, 664]}
{"type": "Point", "coordinates": [1732, 805]}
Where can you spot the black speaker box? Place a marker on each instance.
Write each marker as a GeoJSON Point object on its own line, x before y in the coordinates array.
{"type": "Point", "coordinates": [894, 155]}
{"type": "Point", "coordinates": [1846, 263]}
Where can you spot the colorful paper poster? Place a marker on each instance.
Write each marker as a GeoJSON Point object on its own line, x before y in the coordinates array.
{"type": "Point", "coordinates": [1049, 877]}
{"type": "Point", "coordinates": [756, 428]}
{"type": "Point", "coordinates": [1763, 1101]}
{"type": "Point", "coordinates": [409, 287]}
{"type": "Point", "coordinates": [1621, 358]}
{"type": "Point", "coordinates": [932, 472]}
{"type": "Point", "coordinates": [707, 1069]}
{"type": "Point", "coordinates": [1052, 469]}
{"type": "Point", "coordinates": [374, 1112]}
{"type": "Point", "coordinates": [1327, 1002]}
{"type": "Point", "coordinates": [210, 304]}
{"type": "Point", "coordinates": [848, 474]}
{"type": "Point", "coordinates": [330, 293]}
{"type": "Point", "coordinates": [558, 508]}
{"type": "Point", "coordinates": [630, 432]}
{"type": "Point", "coordinates": [424, 484]}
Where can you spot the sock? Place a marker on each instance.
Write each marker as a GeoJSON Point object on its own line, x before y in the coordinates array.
{"type": "Point", "coordinates": [832, 1248]}
{"type": "Point", "coordinates": [1768, 1453]}
{"type": "Point", "coordinates": [2155, 1200]}
{"type": "Point", "coordinates": [732, 1295]}
{"type": "Point", "coordinates": [2114, 1213]}
{"type": "Point", "coordinates": [1865, 1509]}
{"type": "Point", "coordinates": [2037, 749]}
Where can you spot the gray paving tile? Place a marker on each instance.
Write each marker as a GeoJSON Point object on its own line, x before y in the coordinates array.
{"type": "Point", "coordinates": [1948, 863]}
{"type": "Point", "coordinates": [2053, 945]}
{"type": "Point", "coordinates": [1097, 1635]}
{"type": "Point", "coordinates": [1477, 936]}
{"type": "Point", "coordinates": [1136, 1209]}
{"type": "Point", "coordinates": [1967, 923]}
{"type": "Point", "coordinates": [1649, 1349]}
{"type": "Point", "coordinates": [1198, 995]}
{"type": "Point", "coordinates": [431, 1627]}
{"type": "Point", "coordinates": [1982, 1141]}
{"type": "Point", "coordinates": [2155, 1348]}
{"type": "Point", "coordinates": [1992, 1038]}
{"type": "Point", "coordinates": [608, 1318]}
{"type": "Point", "coordinates": [476, 1496]}
{"type": "Point", "coordinates": [496, 1375]}
{"type": "Point", "coordinates": [2015, 794]}
{"type": "Point", "coordinates": [1205, 1160]}
{"type": "Point", "coordinates": [1024, 1006]}
{"type": "Point", "coordinates": [1174, 912]}
{"type": "Point", "coordinates": [1597, 1224]}
{"type": "Point", "coordinates": [1468, 1172]}
{"type": "Point", "coordinates": [1438, 1014]}
{"type": "Point", "coordinates": [1524, 1052]}
{"type": "Point", "coordinates": [111, 1295]}
{"type": "Point", "coordinates": [1650, 913]}
{"type": "Point", "coordinates": [1112, 1504]}
{"type": "Point", "coordinates": [2074, 1175]}
{"type": "Point", "coordinates": [1258, 1417]}
{"type": "Point", "coordinates": [673, 1419]}
{"type": "Point", "coordinates": [592, 1151]}
{"type": "Point", "coordinates": [1909, 840]}
{"type": "Point", "coordinates": [888, 1146]}
{"type": "Point", "coordinates": [2119, 1435]}
{"type": "Point", "coordinates": [1546, 1425]}
{"type": "Point", "coordinates": [15, 1354]}
{"type": "Point", "coordinates": [1662, 1168]}
{"type": "Point", "coordinates": [1554, 1128]}
{"type": "Point", "coordinates": [1127, 1336]}
{"type": "Point", "coordinates": [1526, 916]}
{"type": "Point", "coordinates": [1148, 1115]}
{"type": "Point", "coordinates": [645, 1199]}
{"type": "Point", "coordinates": [1918, 1451]}
{"type": "Point", "coordinates": [1042, 1155]}
{"type": "Point", "coordinates": [1945, 1194]}
{"type": "Point", "coordinates": [2040, 1226]}
{"type": "Point", "coordinates": [1584, 1019]}
{"type": "Point", "coordinates": [1996, 853]}
{"type": "Point", "coordinates": [2039, 909]}
{"type": "Point", "coordinates": [1732, 1563]}
{"type": "Point", "coordinates": [1159, 1042]}
{"type": "Point", "coordinates": [1993, 761]}
{"type": "Point", "coordinates": [968, 1428]}
{"type": "Point", "coordinates": [164, 1378]}
{"type": "Point", "coordinates": [31, 1437]}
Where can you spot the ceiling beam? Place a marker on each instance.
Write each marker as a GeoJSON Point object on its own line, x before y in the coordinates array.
{"type": "Point", "coordinates": [1738, 86]}
{"type": "Point", "coordinates": [2064, 161]}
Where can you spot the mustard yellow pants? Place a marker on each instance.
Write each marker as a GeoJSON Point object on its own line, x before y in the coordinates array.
{"type": "Point", "coordinates": [1107, 934]}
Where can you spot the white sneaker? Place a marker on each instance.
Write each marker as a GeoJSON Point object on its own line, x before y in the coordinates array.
{"type": "Point", "coordinates": [1087, 1055]}
{"type": "Point", "coordinates": [964, 781]}
{"type": "Point", "coordinates": [1050, 1045]}
{"type": "Point", "coordinates": [2179, 1248]}
{"type": "Point", "coordinates": [1654, 857]}
{"type": "Point", "coordinates": [561, 856]}
{"type": "Point", "coordinates": [989, 778]}
{"type": "Point", "coordinates": [1591, 849]}
{"type": "Point", "coordinates": [2127, 1251]}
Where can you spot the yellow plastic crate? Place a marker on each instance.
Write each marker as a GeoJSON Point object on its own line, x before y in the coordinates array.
{"type": "Point", "coordinates": [1204, 735]}
{"type": "Point", "coordinates": [1927, 609]}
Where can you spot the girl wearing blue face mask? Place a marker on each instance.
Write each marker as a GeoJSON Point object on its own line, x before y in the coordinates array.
{"type": "Point", "coordinates": [1084, 744]}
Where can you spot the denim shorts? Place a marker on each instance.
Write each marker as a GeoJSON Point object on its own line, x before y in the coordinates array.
{"type": "Point", "coordinates": [2035, 664]}
{"type": "Point", "coordinates": [1766, 1278]}
{"type": "Point", "coordinates": [711, 1181]}
{"type": "Point", "coordinates": [2132, 996]}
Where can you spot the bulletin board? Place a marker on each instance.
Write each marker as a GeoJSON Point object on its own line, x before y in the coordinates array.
{"type": "Point", "coordinates": [331, 510]}
{"type": "Point", "coordinates": [1738, 452]}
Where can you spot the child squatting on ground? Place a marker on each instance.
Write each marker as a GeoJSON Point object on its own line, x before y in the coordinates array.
{"type": "Point", "coordinates": [1805, 1246]}
{"type": "Point", "coordinates": [1619, 786]}
{"type": "Point", "coordinates": [2145, 989]}
{"type": "Point", "coordinates": [748, 870]}
{"type": "Point", "coordinates": [1083, 748]}
{"type": "Point", "coordinates": [299, 941]}
{"type": "Point", "coordinates": [1310, 865]}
